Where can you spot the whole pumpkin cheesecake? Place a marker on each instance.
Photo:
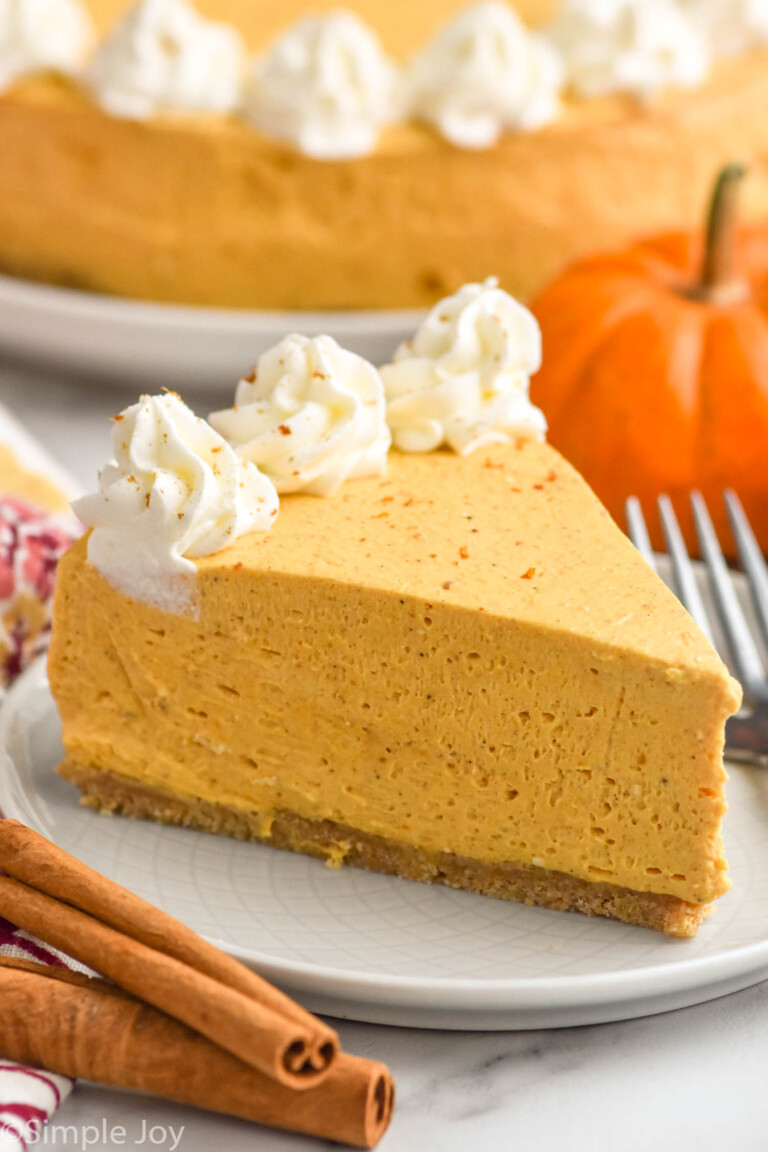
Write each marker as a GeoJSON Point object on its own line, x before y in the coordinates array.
{"type": "Point", "coordinates": [442, 661]}
{"type": "Point", "coordinates": [371, 159]}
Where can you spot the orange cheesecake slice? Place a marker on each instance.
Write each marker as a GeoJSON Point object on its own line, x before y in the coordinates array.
{"type": "Point", "coordinates": [458, 672]}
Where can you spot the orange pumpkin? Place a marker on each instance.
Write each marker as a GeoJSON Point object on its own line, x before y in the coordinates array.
{"type": "Point", "coordinates": [655, 374]}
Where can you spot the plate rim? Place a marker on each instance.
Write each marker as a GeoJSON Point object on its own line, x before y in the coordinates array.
{"type": "Point", "coordinates": [101, 308]}
{"type": "Point", "coordinates": [521, 993]}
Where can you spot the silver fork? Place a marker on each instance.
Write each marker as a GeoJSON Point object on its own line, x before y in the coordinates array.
{"type": "Point", "coordinates": [746, 734]}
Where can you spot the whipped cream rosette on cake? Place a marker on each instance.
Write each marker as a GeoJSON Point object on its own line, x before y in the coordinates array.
{"type": "Point", "coordinates": [164, 57]}
{"type": "Point", "coordinates": [730, 26]}
{"type": "Point", "coordinates": [326, 87]}
{"type": "Point", "coordinates": [311, 415]}
{"type": "Point", "coordinates": [637, 47]}
{"type": "Point", "coordinates": [41, 35]}
{"type": "Point", "coordinates": [463, 379]}
{"type": "Point", "coordinates": [174, 491]}
{"type": "Point", "coordinates": [485, 73]}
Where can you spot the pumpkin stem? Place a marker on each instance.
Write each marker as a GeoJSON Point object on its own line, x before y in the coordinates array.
{"type": "Point", "coordinates": [718, 282]}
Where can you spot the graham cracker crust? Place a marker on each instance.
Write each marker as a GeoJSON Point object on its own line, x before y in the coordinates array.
{"type": "Point", "coordinates": [339, 844]}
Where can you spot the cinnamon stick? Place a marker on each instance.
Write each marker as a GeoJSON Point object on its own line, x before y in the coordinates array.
{"type": "Point", "coordinates": [101, 1034]}
{"type": "Point", "coordinates": [54, 972]}
{"type": "Point", "coordinates": [29, 857]}
{"type": "Point", "coordinates": [258, 1035]}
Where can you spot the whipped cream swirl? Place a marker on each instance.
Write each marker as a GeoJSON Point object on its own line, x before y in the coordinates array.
{"type": "Point", "coordinates": [629, 46]}
{"type": "Point", "coordinates": [326, 87]}
{"type": "Point", "coordinates": [311, 415]}
{"type": "Point", "coordinates": [730, 26]}
{"type": "Point", "coordinates": [463, 379]}
{"type": "Point", "coordinates": [176, 490]}
{"type": "Point", "coordinates": [37, 35]}
{"type": "Point", "coordinates": [485, 73]}
{"type": "Point", "coordinates": [164, 57]}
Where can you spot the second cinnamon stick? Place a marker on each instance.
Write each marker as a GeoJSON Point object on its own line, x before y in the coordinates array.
{"type": "Point", "coordinates": [90, 1030]}
{"type": "Point", "coordinates": [257, 1035]}
{"type": "Point", "coordinates": [29, 857]}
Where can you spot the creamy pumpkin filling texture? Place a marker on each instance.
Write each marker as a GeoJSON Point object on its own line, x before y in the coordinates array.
{"type": "Point", "coordinates": [464, 656]}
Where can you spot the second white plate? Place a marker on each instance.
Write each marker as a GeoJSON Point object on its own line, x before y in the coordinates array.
{"type": "Point", "coordinates": [120, 341]}
{"type": "Point", "coordinates": [368, 947]}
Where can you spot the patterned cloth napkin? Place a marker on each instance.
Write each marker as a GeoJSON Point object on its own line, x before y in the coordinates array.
{"type": "Point", "coordinates": [30, 543]}
{"type": "Point", "coordinates": [29, 1096]}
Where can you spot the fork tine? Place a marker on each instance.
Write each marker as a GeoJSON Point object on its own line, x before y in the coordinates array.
{"type": "Point", "coordinates": [751, 558]}
{"type": "Point", "coordinates": [746, 658]}
{"type": "Point", "coordinates": [685, 580]}
{"type": "Point", "coordinates": [638, 530]}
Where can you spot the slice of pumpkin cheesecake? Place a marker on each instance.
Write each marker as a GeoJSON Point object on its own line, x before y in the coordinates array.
{"type": "Point", "coordinates": [453, 668]}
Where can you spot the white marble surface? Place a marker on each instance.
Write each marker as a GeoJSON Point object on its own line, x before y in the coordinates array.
{"type": "Point", "coordinates": [689, 1079]}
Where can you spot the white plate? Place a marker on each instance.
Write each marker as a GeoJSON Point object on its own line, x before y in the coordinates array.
{"type": "Point", "coordinates": [368, 947]}
{"type": "Point", "coordinates": [126, 341]}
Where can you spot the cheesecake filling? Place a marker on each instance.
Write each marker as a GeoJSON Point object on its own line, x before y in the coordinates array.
{"type": "Point", "coordinates": [175, 491]}
{"type": "Point", "coordinates": [578, 778]}
{"type": "Point", "coordinates": [311, 415]}
{"type": "Point", "coordinates": [463, 380]}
